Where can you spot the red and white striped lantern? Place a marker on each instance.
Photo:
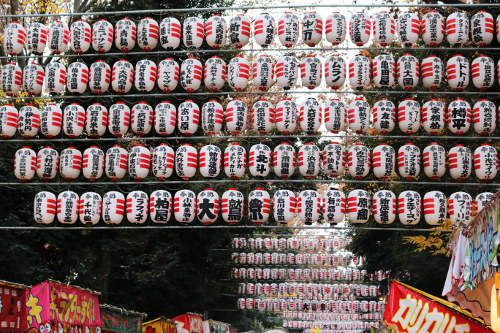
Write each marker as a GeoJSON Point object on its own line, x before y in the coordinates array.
{"type": "Point", "coordinates": [184, 206]}
{"type": "Point", "coordinates": [67, 207]}
{"type": "Point", "coordinates": [335, 71]}
{"type": "Point", "coordinates": [44, 207]}
{"type": "Point", "coordinates": [358, 114]}
{"type": "Point", "coordinates": [459, 116]}
{"type": "Point", "coordinates": [102, 36]}
{"type": "Point", "coordinates": [51, 120]}
{"type": "Point", "coordinates": [482, 28]}
{"type": "Point", "coordinates": [242, 303]}
{"type": "Point", "coordinates": [100, 77]}
{"type": "Point", "coordinates": [309, 160]}
{"type": "Point", "coordinates": [137, 207]}
{"type": "Point", "coordinates": [483, 72]}
{"type": "Point", "coordinates": [145, 75]}
{"type": "Point", "coordinates": [148, 32]}
{"type": "Point", "coordinates": [458, 72]}
{"type": "Point", "coordinates": [188, 117]}
{"type": "Point", "coordinates": [125, 34]}
{"type": "Point", "coordinates": [113, 207]}
{"type": "Point", "coordinates": [214, 73]}
{"type": "Point", "coordinates": [312, 29]}
{"type": "Point", "coordinates": [33, 75]}
{"type": "Point", "coordinates": [384, 116]}
{"type": "Point", "coordinates": [118, 119]}
{"type": "Point", "coordinates": [286, 72]}
{"type": "Point", "coordinates": [36, 39]}
{"type": "Point", "coordinates": [235, 158]}
{"type": "Point", "coordinates": [358, 206]}
{"type": "Point", "coordinates": [170, 33]}
{"type": "Point", "coordinates": [210, 161]}
{"type": "Point", "coordinates": [25, 164]}
{"type": "Point", "coordinates": [286, 116]}
{"type": "Point", "coordinates": [80, 36]}
{"type": "Point", "coordinates": [284, 160]}
{"type": "Point", "coordinates": [484, 115]}
{"type": "Point", "coordinates": [9, 118]}
{"type": "Point", "coordinates": [408, 71]}
{"type": "Point", "coordinates": [485, 162]}
{"type": "Point", "coordinates": [191, 74]}
{"type": "Point", "coordinates": [457, 28]}
{"type": "Point", "coordinates": [384, 207]}
{"type": "Point", "coordinates": [122, 76]}
{"type": "Point", "coordinates": [435, 207]}
{"type": "Point", "coordinates": [360, 28]}
{"type": "Point", "coordinates": [259, 206]}
{"type": "Point", "coordinates": [284, 206]}
{"type": "Point", "coordinates": [58, 37]}
{"type": "Point", "coordinates": [460, 162]}
{"type": "Point", "coordinates": [239, 30]}
{"type": "Point", "coordinates": [186, 161]}
{"type": "Point", "coordinates": [434, 161]}
{"type": "Point", "coordinates": [432, 72]}
{"type": "Point", "coordinates": [264, 30]}
{"type": "Point", "coordinates": [232, 205]}
{"type": "Point", "coordinates": [481, 200]}
{"type": "Point", "coordinates": [96, 120]}
{"type": "Point", "coordinates": [333, 206]}
{"type": "Point", "coordinates": [309, 206]}
{"type": "Point", "coordinates": [215, 32]}
{"type": "Point", "coordinates": [384, 28]}
{"type": "Point", "coordinates": [211, 117]}
{"type": "Point", "coordinates": [409, 207]}
{"type": "Point", "coordinates": [335, 28]}
{"type": "Point", "coordinates": [28, 121]}
{"type": "Point", "coordinates": [460, 208]}
{"type": "Point", "coordinates": [12, 78]}
{"type": "Point", "coordinates": [433, 28]}
{"type": "Point", "coordinates": [408, 28]}
{"type": "Point", "coordinates": [358, 161]}
{"type": "Point", "coordinates": [409, 116]}
{"type": "Point", "coordinates": [384, 70]}
{"type": "Point", "coordinates": [433, 116]}
{"type": "Point", "coordinates": [384, 161]}
{"type": "Point", "coordinates": [259, 160]}
{"type": "Point", "coordinates": [193, 31]}
{"type": "Point", "coordinates": [139, 161]}
{"type": "Point", "coordinates": [310, 72]}
{"type": "Point", "coordinates": [160, 206]}
{"type": "Point", "coordinates": [335, 115]}
{"type": "Point", "coordinates": [262, 116]}
{"type": "Point", "coordinates": [116, 162]}
{"type": "Point", "coordinates": [359, 72]}
{"type": "Point", "coordinates": [236, 116]}
{"type": "Point", "coordinates": [78, 77]}
{"type": "Point", "coordinates": [263, 72]}
{"type": "Point", "coordinates": [409, 161]}
{"type": "Point", "coordinates": [55, 77]}
{"type": "Point", "coordinates": [238, 73]}
{"type": "Point", "coordinates": [207, 206]}
{"type": "Point", "coordinates": [93, 163]}
{"type": "Point", "coordinates": [47, 162]}
{"type": "Point", "coordinates": [70, 163]}
{"type": "Point", "coordinates": [141, 118]}
{"type": "Point", "coordinates": [90, 206]}
{"type": "Point", "coordinates": [168, 75]}
{"type": "Point", "coordinates": [334, 159]}
{"type": "Point", "coordinates": [310, 115]}
{"type": "Point", "coordinates": [162, 163]}
{"type": "Point", "coordinates": [288, 29]}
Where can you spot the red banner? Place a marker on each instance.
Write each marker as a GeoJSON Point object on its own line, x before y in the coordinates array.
{"type": "Point", "coordinates": [189, 323]}
{"type": "Point", "coordinates": [409, 311]}
{"type": "Point", "coordinates": [12, 308]}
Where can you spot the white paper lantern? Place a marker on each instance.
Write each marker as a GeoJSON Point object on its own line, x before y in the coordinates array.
{"type": "Point", "coordinates": [67, 207]}
{"type": "Point", "coordinates": [236, 116]}
{"type": "Point", "coordinates": [70, 163]}
{"type": "Point", "coordinates": [384, 28]}
{"type": "Point", "coordinates": [125, 34]}
{"type": "Point", "coordinates": [184, 206]}
{"type": "Point", "coordinates": [122, 76]}
{"type": "Point", "coordinates": [33, 75]}
{"type": "Point", "coordinates": [460, 162]}
{"type": "Point", "coordinates": [434, 161]}
{"type": "Point", "coordinates": [409, 116]}
{"type": "Point", "coordinates": [483, 72]}
{"type": "Point", "coordinates": [119, 119]}
{"type": "Point", "coordinates": [235, 161]}
{"type": "Point", "coordinates": [409, 161]}
{"type": "Point", "coordinates": [310, 72]}
{"type": "Point", "coordinates": [286, 116]}
{"type": "Point", "coordinates": [358, 161]}
{"type": "Point", "coordinates": [309, 206]}
{"type": "Point", "coordinates": [384, 207]}
{"type": "Point", "coordinates": [93, 163]}
{"type": "Point", "coordinates": [433, 116]}
{"type": "Point", "coordinates": [137, 207]}
{"type": "Point", "coordinates": [36, 37]}
{"type": "Point", "coordinates": [358, 114]}
{"type": "Point", "coordinates": [168, 75]}
{"type": "Point", "coordinates": [408, 28]}
{"type": "Point", "coordinates": [116, 162]}
{"type": "Point", "coordinates": [232, 202]}
{"type": "Point", "coordinates": [334, 159]}
{"type": "Point", "coordinates": [191, 74]}
{"type": "Point", "coordinates": [333, 206]}
{"type": "Point", "coordinates": [312, 29]}
{"type": "Point", "coordinates": [288, 29]}
{"type": "Point", "coordinates": [358, 206]}
{"type": "Point", "coordinates": [483, 114]}
{"type": "Point", "coordinates": [239, 30]}
{"type": "Point", "coordinates": [432, 72]}
{"type": "Point", "coordinates": [207, 207]}
{"type": "Point", "coordinates": [12, 78]}
{"type": "Point", "coordinates": [55, 77]}
{"type": "Point", "coordinates": [335, 115]}
{"type": "Point", "coordinates": [384, 161]}
{"type": "Point", "coordinates": [264, 30]}
{"type": "Point", "coordinates": [162, 162]}
{"type": "Point", "coordinates": [259, 160]}
{"type": "Point", "coordinates": [44, 207]}
{"type": "Point", "coordinates": [259, 206]}
{"type": "Point", "coordinates": [435, 207]}
{"type": "Point", "coordinates": [210, 161]}
{"type": "Point", "coordinates": [139, 161]}
{"type": "Point", "coordinates": [215, 31]}
{"type": "Point", "coordinates": [148, 33]}
{"type": "Point", "coordinates": [102, 36]}
{"type": "Point", "coordinates": [188, 117]}
{"type": "Point", "coordinates": [214, 73]}
{"type": "Point", "coordinates": [457, 28]}
{"type": "Point", "coordinates": [287, 71]}
{"type": "Point", "coordinates": [186, 161]}
{"type": "Point", "coordinates": [78, 77]}
{"type": "Point", "coordinates": [409, 207]}
{"type": "Point", "coordinates": [145, 75]}
{"type": "Point", "coordinates": [58, 37]}
{"type": "Point", "coordinates": [28, 121]}
{"type": "Point", "coordinates": [335, 71]}
{"type": "Point", "coordinates": [100, 77]}
{"type": "Point", "coordinates": [263, 72]}
{"type": "Point", "coordinates": [284, 160]}
{"type": "Point", "coordinates": [193, 32]}
{"type": "Point", "coordinates": [384, 70]}
{"type": "Point", "coordinates": [335, 28]}
{"type": "Point", "coordinates": [433, 28]}
{"type": "Point", "coordinates": [170, 33]}
{"type": "Point", "coordinates": [160, 206]}
{"type": "Point", "coordinates": [458, 72]}
{"type": "Point", "coordinates": [482, 27]}
{"type": "Point", "coordinates": [460, 208]}
{"type": "Point", "coordinates": [262, 116]}
{"type": "Point", "coordinates": [309, 160]}
{"type": "Point", "coordinates": [51, 120]}
{"type": "Point", "coordinates": [90, 206]}
{"type": "Point", "coordinates": [25, 163]}
{"type": "Point", "coordinates": [481, 200]}
{"type": "Point", "coordinates": [9, 118]}
{"type": "Point", "coordinates": [310, 115]}
{"type": "Point", "coordinates": [284, 206]}
{"type": "Point", "coordinates": [360, 28]}
{"type": "Point", "coordinates": [384, 116]}
{"type": "Point", "coordinates": [485, 162]}
{"type": "Point", "coordinates": [113, 207]}
{"type": "Point", "coordinates": [141, 118]}
{"type": "Point", "coordinates": [408, 71]}
{"type": "Point", "coordinates": [96, 120]}
{"type": "Point", "coordinates": [47, 162]}
{"type": "Point", "coordinates": [359, 72]}
{"type": "Point", "coordinates": [459, 116]}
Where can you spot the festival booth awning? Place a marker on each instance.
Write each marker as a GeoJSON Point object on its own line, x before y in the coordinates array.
{"type": "Point", "coordinates": [412, 310]}
{"type": "Point", "coordinates": [159, 325]}
{"type": "Point", "coordinates": [13, 307]}
{"type": "Point", "coordinates": [189, 323]}
{"type": "Point", "coordinates": [114, 319]}
{"type": "Point", "coordinates": [212, 326]}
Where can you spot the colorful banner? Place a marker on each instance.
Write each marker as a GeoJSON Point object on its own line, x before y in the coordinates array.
{"type": "Point", "coordinates": [12, 308]}
{"type": "Point", "coordinates": [189, 323]}
{"type": "Point", "coordinates": [118, 320]}
{"type": "Point", "coordinates": [212, 326]}
{"type": "Point", "coordinates": [64, 307]}
{"type": "Point", "coordinates": [159, 325]}
{"type": "Point", "coordinates": [410, 310]}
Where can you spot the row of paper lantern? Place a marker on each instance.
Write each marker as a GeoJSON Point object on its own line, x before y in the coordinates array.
{"type": "Point", "coordinates": [291, 243]}
{"type": "Point", "coordinates": [314, 259]}
{"type": "Point", "coordinates": [148, 33]}
{"type": "Point", "coordinates": [306, 290]}
{"type": "Point", "coordinates": [299, 274]}
{"type": "Point", "coordinates": [322, 316]}
{"type": "Point", "coordinates": [292, 304]}
{"type": "Point", "coordinates": [334, 326]}
{"type": "Point", "coordinates": [139, 161]}
{"type": "Point", "coordinates": [33, 79]}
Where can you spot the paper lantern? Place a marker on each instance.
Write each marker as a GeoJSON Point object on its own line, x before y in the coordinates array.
{"type": "Point", "coordinates": [384, 70]}
{"type": "Point", "coordinates": [163, 161]}
{"type": "Point", "coordinates": [58, 37]}
{"type": "Point", "coordinates": [457, 28]}
{"type": "Point", "coordinates": [483, 72]}
{"type": "Point", "coordinates": [433, 116]}
{"type": "Point", "coordinates": [335, 71]}
{"type": "Point", "coordinates": [232, 206]}
{"type": "Point", "coordinates": [51, 120]}
{"type": "Point", "coordinates": [434, 161]}
{"type": "Point", "coordinates": [207, 207]}
{"type": "Point", "coordinates": [239, 30]}
{"type": "Point", "coordinates": [482, 199]}
{"type": "Point", "coordinates": [100, 77]}
{"type": "Point", "coordinates": [485, 162]}
{"type": "Point", "coordinates": [160, 206]}
{"type": "Point", "coordinates": [288, 29]}
{"type": "Point", "coordinates": [457, 72]}
{"type": "Point", "coordinates": [384, 28]}
{"type": "Point", "coordinates": [25, 163]}
{"type": "Point", "coordinates": [309, 160]}
{"type": "Point", "coordinates": [286, 72]}
{"type": "Point", "coordinates": [359, 72]}
{"type": "Point", "coordinates": [125, 34]}
{"type": "Point", "coordinates": [460, 208]}
{"type": "Point", "coordinates": [145, 75]}
{"type": "Point", "coordinates": [238, 73]}
{"type": "Point", "coordinates": [215, 31]}
{"type": "Point", "coordinates": [33, 75]}
{"type": "Point", "coordinates": [192, 32]}
{"type": "Point", "coordinates": [148, 33]}
{"type": "Point", "coordinates": [459, 116]}
{"type": "Point", "coordinates": [310, 115]}
{"type": "Point", "coordinates": [259, 160]}
{"type": "Point", "coordinates": [384, 116]}
{"type": "Point", "coordinates": [284, 206]}
{"type": "Point", "coordinates": [102, 36]}
{"type": "Point", "coordinates": [55, 77]}
{"type": "Point", "coordinates": [113, 207]}
{"type": "Point", "coordinates": [168, 75]}
{"type": "Point", "coordinates": [334, 159]}
{"type": "Point", "coordinates": [139, 160]}
{"type": "Point", "coordinates": [90, 206]}
{"type": "Point", "coordinates": [360, 28]}
{"type": "Point", "coordinates": [408, 71]}
{"type": "Point", "coordinates": [11, 80]}
{"type": "Point", "coordinates": [80, 36]}
{"type": "Point", "coordinates": [335, 115]}
{"type": "Point", "coordinates": [262, 116]}
{"type": "Point", "coordinates": [264, 30]}
{"type": "Point", "coordinates": [47, 162]}
{"type": "Point", "coordinates": [191, 74]}
{"type": "Point", "coordinates": [236, 116]}
{"type": "Point", "coordinates": [96, 120]}
{"type": "Point", "coordinates": [358, 161]}
{"type": "Point", "coordinates": [70, 163]}
{"type": "Point", "coordinates": [78, 77]}
{"type": "Point", "coordinates": [44, 207]}
{"type": "Point", "coordinates": [284, 160]}
{"type": "Point", "coordinates": [188, 117]}
{"type": "Point", "coordinates": [116, 162]}
{"type": "Point", "coordinates": [358, 114]}
{"type": "Point", "coordinates": [122, 76]}
{"type": "Point", "coordinates": [141, 118]}
{"type": "Point", "coordinates": [408, 28]}
{"type": "Point", "coordinates": [433, 28]}
{"type": "Point", "coordinates": [435, 207]}
{"type": "Point", "coordinates": [333, 206]}
{"type": "Point", "coordinates": [460, 162]}
{"type": "Point", "coordinates": [335, 28]}
{"type": "Point", "coordinates": [241, 303]}
{"type": "Point", "coordinates": [165, 118]}
{"type": "Point", "coordinates": [358, 206]}
{"type": "Point", "coordinates": [170, 33]}
{"type": "Point", "coordinates": [409, 207]}
{"type": "Point", "coordinates": [409, 161]}
{"type": "Point", "coordinates": [409, 116]}
{"type": "Point", "coordinates": [309, 206]}
{"type": "Point", "coordinates": [286, 116]}
{"type": "Point", "coordinates": [214, 73]}
{"type": "Point", "coordinates": [186, 161]}
{"type": "Point", "coordinates": [484, 112]}
{"type": "Point", "coordinates": [432, 72]}
{"type": "Point", "coordinates": [8, 121]}
{"type": "Point", "coordinates": [312, 29]}
{"type": "Point", "coordinates": [36, 39]}
{"type": "Point", "coordinates": [137, 207]}
{"type": "Point", "coordinates": [310, 72]}
{"type": "Point", "coordinates": [263, 72]}
{"type": "Point", "coordinates": [259, 206]}
{"type": "Point", "coordinates": [93, 163]}
{"type": "Point", "coordinates": [67, 207]}
{"type": "Point", "coordinates": [384, 161]}
{"type": "Point", "coordinates": [184, 206]}
{"type": "Point", "coordinates": [210, 161]}
{"type": "Point", "coordinates": [384, 207]}
{"type": "Point", "coordinates": [118, 119]}
{"type": "Point", "coordinates": [482, 28]}
{"type": "Point", "coordinates": [235, 161]}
